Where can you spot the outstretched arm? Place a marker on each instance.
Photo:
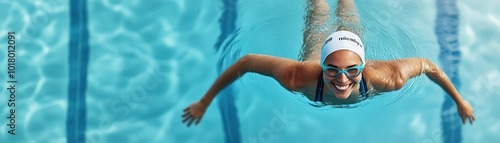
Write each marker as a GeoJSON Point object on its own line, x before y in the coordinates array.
{"type": "Point", "coordinates": [282, 69]}
{"type": "Point", "coordinates": [404, 69]}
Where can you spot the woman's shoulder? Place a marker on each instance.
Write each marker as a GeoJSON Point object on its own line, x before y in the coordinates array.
{"type": "Point", "coordinates": [380, 75]}
{"type": "Point", "coordinates": [306, 74]}
{"type": "Point", "coordinates": [310, 68]}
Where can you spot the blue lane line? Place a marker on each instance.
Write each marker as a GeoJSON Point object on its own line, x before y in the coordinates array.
{"type": "Point", "coordinates": [78, 62]}
{"type": "Point", "coordinates": [227, 108]}
{"type": "Point", "coordinates": [447, 33]}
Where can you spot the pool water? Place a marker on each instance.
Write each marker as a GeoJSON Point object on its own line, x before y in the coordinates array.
{"type": "Point", "coordinates": [150, 60]}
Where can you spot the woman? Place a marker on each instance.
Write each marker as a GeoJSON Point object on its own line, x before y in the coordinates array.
{"type": "Point", "coordinates": [337, 64]}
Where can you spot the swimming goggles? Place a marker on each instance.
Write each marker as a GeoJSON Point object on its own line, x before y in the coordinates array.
{"type": "Point", "coordinates": [351, 72]}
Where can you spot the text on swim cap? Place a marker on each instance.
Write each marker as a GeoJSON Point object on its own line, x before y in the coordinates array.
{"type": "Point", "coordinates": [351, 39]}
{"type": "Point", "coordinates": [329, 39]}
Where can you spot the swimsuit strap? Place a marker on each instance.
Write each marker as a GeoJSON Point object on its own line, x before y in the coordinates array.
{"type": "Point", "coordinates": [319, 89]}
{"type": "Point", "coordinates": [363, 90]}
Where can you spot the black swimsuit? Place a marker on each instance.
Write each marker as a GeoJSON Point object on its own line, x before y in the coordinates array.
{"type": "Point", "coordinates": [363, 90]}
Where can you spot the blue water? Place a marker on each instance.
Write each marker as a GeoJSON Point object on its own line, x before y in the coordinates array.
{"type": "Point", "coordinates": [149, 60]}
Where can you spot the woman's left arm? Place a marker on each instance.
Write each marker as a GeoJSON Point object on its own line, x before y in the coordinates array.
{"type": "Point", "coordinates": [404, 69]}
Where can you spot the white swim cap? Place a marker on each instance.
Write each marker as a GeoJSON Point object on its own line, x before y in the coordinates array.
{"type": "Point", "coordinates": [342, 40]}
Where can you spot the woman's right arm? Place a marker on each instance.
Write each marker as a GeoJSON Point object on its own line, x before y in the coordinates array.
{"type": "Point", "coordinates": [285, 71]}
{"type": "Point", "coordinates": [281, 69]}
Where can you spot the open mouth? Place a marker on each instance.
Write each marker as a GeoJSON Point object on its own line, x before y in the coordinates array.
{"type": "Point", "coordinates": [342, 88]}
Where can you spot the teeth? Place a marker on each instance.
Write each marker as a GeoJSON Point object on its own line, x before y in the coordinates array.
{"type": "Point", "coordinates": [341, 87]}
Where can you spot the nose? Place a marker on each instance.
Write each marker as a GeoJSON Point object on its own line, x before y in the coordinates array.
{"type": "Point", "coordinates": [342, 78]}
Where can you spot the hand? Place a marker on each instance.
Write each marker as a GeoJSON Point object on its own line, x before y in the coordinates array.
{"type": "Point", "coordinates": [193, 113]}
{"type": "Point", "coordinates": [466, 112]}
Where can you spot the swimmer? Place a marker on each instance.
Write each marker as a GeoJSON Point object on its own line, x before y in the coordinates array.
{"type": "Point", "coordinates": [336, 63]}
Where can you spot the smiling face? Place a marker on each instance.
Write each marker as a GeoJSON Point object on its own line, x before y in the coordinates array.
{"type": "Point", "coordinates": [342, 86]}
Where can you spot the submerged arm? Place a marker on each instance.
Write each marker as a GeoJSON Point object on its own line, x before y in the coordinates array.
{"type": "Point", "coordinates": [412, 67]}
{"type": "Point", "coordinates": [405, 69]}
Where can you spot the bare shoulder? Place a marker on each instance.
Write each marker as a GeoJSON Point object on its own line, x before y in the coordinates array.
{"type": "Point", "coordinates": [304, 74]}
{"type": "Point", "coordinates": [383, 76]}
{"type": "Point", "coordinates": [291, 74]}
